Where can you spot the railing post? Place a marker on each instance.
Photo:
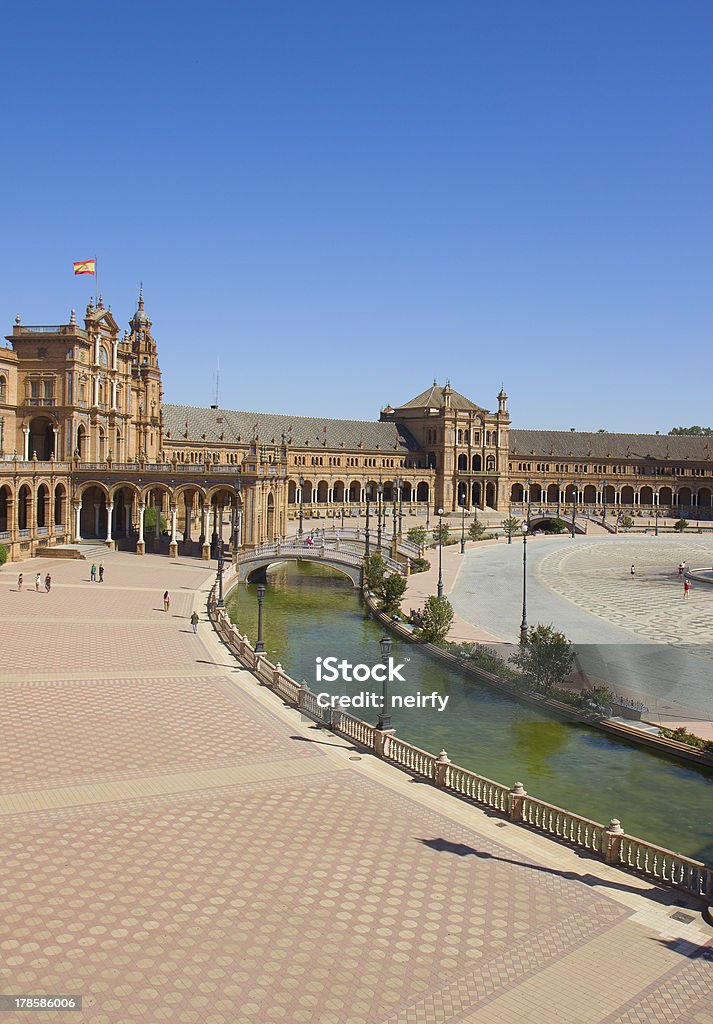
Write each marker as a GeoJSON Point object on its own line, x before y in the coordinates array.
{"type": "Point", "coordinates": [440, 769]}
{"type": "Point", "coordinates": [302, 695]}
{"type": "Point", "coordinates": [516, 801]}
{"type": "Point", "coordinates": [380, 738]}
{"type": "Point", "coordinates": [611, 841]}
{"type": "Point", "coordinates": [276, 673]}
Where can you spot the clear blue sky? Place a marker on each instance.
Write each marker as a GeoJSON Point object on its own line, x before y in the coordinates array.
{"type": "Point", "coordinates": [341, 201]}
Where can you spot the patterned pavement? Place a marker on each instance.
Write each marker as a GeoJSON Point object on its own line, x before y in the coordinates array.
{"type": "Point", "coordinates": [178, 846]}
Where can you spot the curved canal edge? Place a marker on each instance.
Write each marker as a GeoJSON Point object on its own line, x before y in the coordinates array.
{"type": "Point", "coordinates": [609, 843]}
{"type": "Point", "coordinates": [669, 747]}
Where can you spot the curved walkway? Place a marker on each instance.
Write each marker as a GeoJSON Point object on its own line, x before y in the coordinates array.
{"type": "Point", "coordinates": [178, 846]}
{"type": "Point", "coordinates": [637, 634]}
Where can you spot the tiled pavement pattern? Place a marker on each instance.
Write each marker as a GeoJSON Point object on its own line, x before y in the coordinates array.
{"type": "Point", "coordinates": [651, 606]}
{"type": "Point", "coordinates": [177, 846]}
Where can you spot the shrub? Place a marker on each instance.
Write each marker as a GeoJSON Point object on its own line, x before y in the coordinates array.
{"type": "Point", "coordinates": [626, 522]}
{"type": "Point", "coordinates": [3, 554]}
{"type": "Point", "coordinates": [420, 565]}
{"type": "Point", "coordinates": [417, 535]}
{"type": "Point", "coordinates": [511, 525]}
{"type": "Point", "coordinates": [476, 530]}
{"type": "Point", "coordinates": [545, 657]}
{"type": "Point", "coordinates": [442, 533]}
{"type": "Point", "coordinates": [392, 590]}
{"type": "Point", "coordinates": [437, 618]}
{"type": "Point", "coordinates": [681, 525]}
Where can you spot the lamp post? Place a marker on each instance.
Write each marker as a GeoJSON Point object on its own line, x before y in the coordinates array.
{"type": "Point", "coordinates": [575, 494]}
{"type": "Point", "coordinates": [238, 519]}
{"type": "Point", "coordinates": [604, 500]}
{"type": "Point", "coordinates": [559, 497]}
{"type": "Point", "coordinates": [440, 554]}
{"type": "Point", "coordinates": [656, 520]}
{"type": "Point", "coordinates": [393, 535]}
{"type": "Point", "coordinates": [384, 717]}
{"type": "Point", "coordinates": [221, 603]}
{"type": "Point", "coordinates": [523, 624]}
{"type": "Point", "coordinates": [260, 646]}
{"type": "Point", "coordinates": [462, 524]}
{"type": "Point", "coordinates": [301, 482]}
{"type": "Point", "coordinates": [379, 495]}
{"type": "Point", "coordinates": [400, 484]}
{"type": "Point", "coordinates": [367, 495]}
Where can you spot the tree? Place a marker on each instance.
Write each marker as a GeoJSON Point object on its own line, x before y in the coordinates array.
{"type": "Point", "coordinates": [442, 534]}
{"type": "Point", "coordinates": [476, 530]}
{"type": "Point", "coordinates": [437, 618]}
{"type": "Point", "coordinates": [681, 525]}
{"type": "Point", "coordinates": [150, 520]}
{"type": "Point", "coordinates": [418, 535]}
{"type": "Point", "coordinates": [375, 571]}
{"type": "Point", "coordinates": [692, 431]}
{"type": "Point", "coordinates": [511, 525]}
{"type": "Point", "coordinates": [545, 657]}
{"type": "Point", "coordinates": [393, 589]}
{"type": "Point", "coordinates": [3, 554]}
{"type": "Point", "coordinates": [626, 522]}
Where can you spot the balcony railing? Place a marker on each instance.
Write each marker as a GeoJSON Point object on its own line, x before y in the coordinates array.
{"type": "Point", "coordinates": [38, 402]}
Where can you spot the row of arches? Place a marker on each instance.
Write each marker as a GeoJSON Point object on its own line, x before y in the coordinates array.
{"type": "Point", "coordinates": [324, 492]}
{"type": "Point", "coordinates": [32, 509]}
{"type": "Point", "coordinates": [474, 464]}
{"type": "Point", "coordinates": [590, 494]}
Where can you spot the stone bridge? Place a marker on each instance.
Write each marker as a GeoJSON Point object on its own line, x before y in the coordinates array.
{"type": "Point", "coordinates": [331, 553]}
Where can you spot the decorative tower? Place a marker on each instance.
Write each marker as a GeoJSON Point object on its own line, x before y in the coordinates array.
{"type": "Point", "coordinates": [147, 377]}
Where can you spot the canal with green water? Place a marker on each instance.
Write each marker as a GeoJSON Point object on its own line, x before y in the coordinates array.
{"type": "Point", "coordinates": [310, 612]}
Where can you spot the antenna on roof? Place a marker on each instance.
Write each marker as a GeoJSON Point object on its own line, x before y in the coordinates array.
{"type": "Point", "coordinates": [217, 384]}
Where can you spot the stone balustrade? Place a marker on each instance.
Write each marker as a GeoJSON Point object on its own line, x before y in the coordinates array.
{"type": "Point", "coordinates": [610, 843]}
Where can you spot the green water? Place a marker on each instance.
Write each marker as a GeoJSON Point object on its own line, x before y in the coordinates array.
{"type": "Point", "coordinates": [310, 613]}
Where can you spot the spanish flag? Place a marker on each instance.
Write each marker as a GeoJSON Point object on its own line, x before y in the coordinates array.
{"type": "Point", "coordinates": [85, 267]}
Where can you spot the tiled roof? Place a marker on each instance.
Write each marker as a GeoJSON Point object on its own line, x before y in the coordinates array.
{"type": "Point", "coordinates": [300, 431]}
{"type": "Point", "coordinates": [432, 398]}
{"type": "Point", "coordinates": [564, 443]}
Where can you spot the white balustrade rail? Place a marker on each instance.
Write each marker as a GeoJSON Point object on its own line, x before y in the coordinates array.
{"type": "Point", "coordinates": [610, 844]}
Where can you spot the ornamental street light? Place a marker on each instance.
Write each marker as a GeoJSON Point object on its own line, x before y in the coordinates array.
{"type": "Point", "coordinates": [260, 646]}
{"type": "Point", "coordinates": [523, 624]}
{"type": "Point", "coordinates": [559, 497]}
{"type": "Point", "coordinates": [379, 495]}
{"type": "Point", "coordinates": [604, 500]}
{"type": "Point", "coordinates": [367, 495]}
{"type": "Point", "coordinates": [301, 482]}
{"type": "Point", "coordinates": [400, 484]}
{"type": "Point", "coordinates": [221, 603]}
{"type": "Point", "coordinates": [440, 554]}
{"type": "Point", "coordinates": [385, 718]}
{"type": "Point", "coordinates": [575, 494]}
{"type": "Point", "coordinates": [462, 523]}
{"type": "Point", "coordinates": [393, 535]}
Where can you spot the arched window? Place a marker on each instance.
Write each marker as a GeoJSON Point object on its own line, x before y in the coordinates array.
{"type": "Point", "coordinates": [103, 356]}
{"type": "Point", "coordinates": [3, 388]}
{"type": "Point", "coordinates": [490, 463]}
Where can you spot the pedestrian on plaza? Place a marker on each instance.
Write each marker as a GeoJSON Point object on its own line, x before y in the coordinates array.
{"type": "Point", "coordinates": [19, 582]}
{"type": "Point", "coordinates": [633, 572]}
{"type": "Point", "coordinates": [680, 568]}
{"type": "Point", "coordinates": [48, 583]}
{"type": "Point", "coordinates": [38, 580]}
{"type": "Point", "coordinates": [93, 573]}
{"type": "Point", "coordinates": [686, 587]}
{"type": "Point", "coordinates": [101, 572]}
{"type": "Point", "coordinates": [166, 600]}
{"type": "Point", "coordinates": [194, 621]}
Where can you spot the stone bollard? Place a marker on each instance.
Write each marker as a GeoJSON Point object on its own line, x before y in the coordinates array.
{"type": "Point", "coordinates": [517, 799]}
{"type": "Point", "coordinates": [611, 841]}
{"type": "Point", "coordinates": [441, 770]}
{"type": "Point", "coordinates": [380, 738]}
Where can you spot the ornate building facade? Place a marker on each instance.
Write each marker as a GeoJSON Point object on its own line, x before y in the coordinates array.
{"type": "Point", "coordinates": [88, 449]}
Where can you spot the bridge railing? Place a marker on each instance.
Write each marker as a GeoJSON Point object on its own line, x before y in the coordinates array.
{"type": "Point", "coordinates": [316, 551]}
{"type": "Point", "coordinates": [608, 843]}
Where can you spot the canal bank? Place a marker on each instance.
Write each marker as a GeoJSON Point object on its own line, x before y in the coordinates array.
{"type": "Point", "coordinates": [309, 614]}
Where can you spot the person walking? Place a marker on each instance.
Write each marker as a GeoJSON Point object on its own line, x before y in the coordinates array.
{"type": "Point", "coordinates": [48, 583]}
{"type": "Point", "coordinates": [166, 601]}
{"type": "Point", "coordinates": [19, 582]}
{"type": "Point", "coordinates": [194, 621]}
{"type": "Point", "coordinates": [633, 572]}
{"type": "Point", "coordinates": [680, 568]}
{"type": "Point", "coordinates": [101, 572]}
{"type": "Point", "coordinates": [38, 580]}
{"type": "Point", "coordinates": [686, 588]}
{"type": "Point", "coordinates": [93, 573]}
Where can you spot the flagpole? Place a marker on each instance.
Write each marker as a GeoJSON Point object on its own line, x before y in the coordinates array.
{"type": "Point", "coordinates": [96, 280]}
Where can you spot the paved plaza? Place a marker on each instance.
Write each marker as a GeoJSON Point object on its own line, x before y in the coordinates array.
{"type": "Point", "coordinates": [179, 846]}
{"type": "Point", "coordinates": [636, 633]}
